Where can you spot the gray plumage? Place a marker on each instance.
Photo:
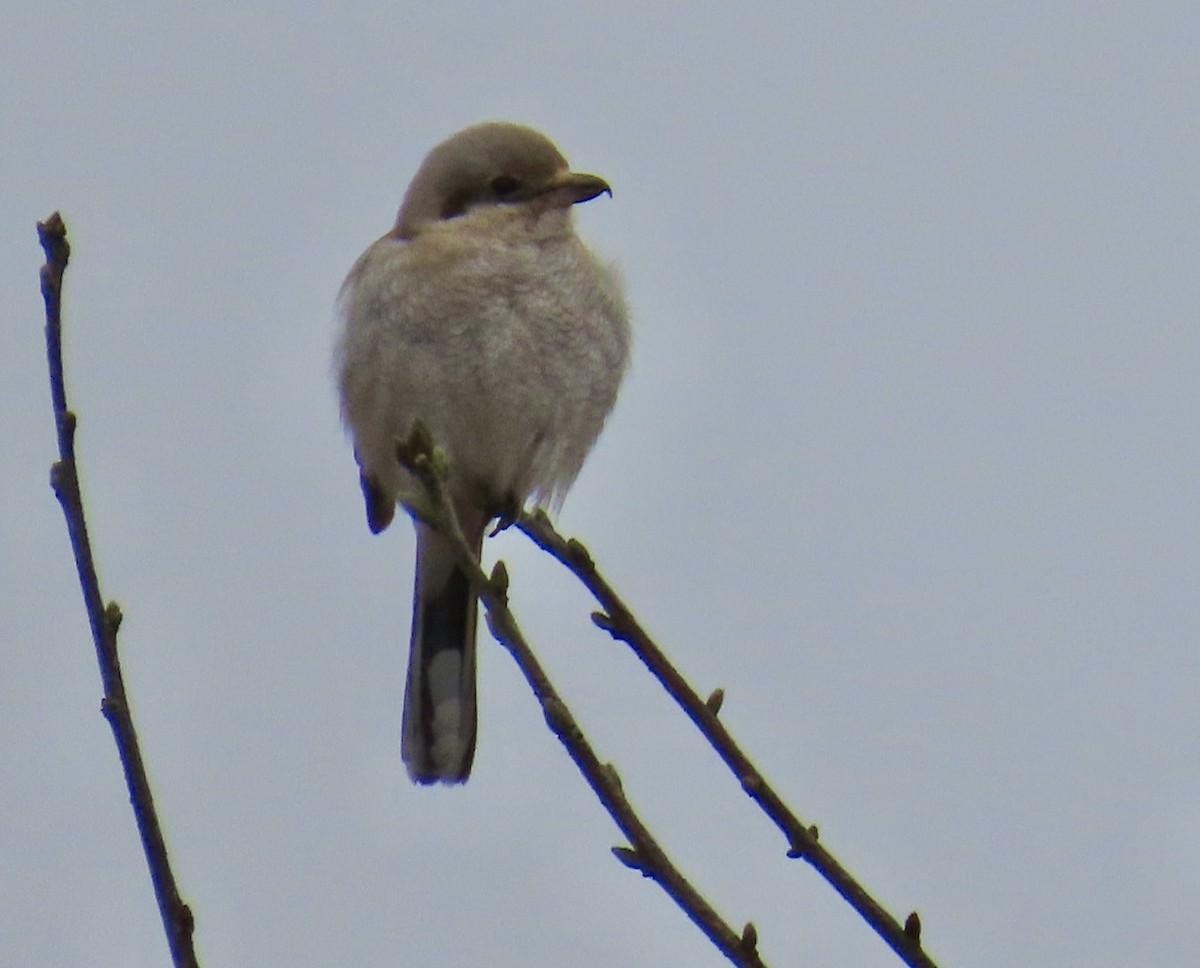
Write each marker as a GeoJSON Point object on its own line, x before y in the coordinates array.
{"type": "Point", "coordinates": [483, 315]}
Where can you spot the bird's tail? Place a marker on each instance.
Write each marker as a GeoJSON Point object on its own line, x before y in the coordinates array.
{"type": "Point", "coordinates": [438, 736]}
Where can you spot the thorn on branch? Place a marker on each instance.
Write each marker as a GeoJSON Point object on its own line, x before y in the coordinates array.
{"type": "Point", "coordinates": [110, 707]}
{"type": "Point", "coordinates": [507, 517]}
{"type": "Point", "coordinates": [912, 927]}
{"type": "Point", "coordinates": [602, 620]}
{"type": "Point", "coordinates": [580, 555]}
{"type": "Point", "coordinates": [60, 472]}
{"type": "Point", "coordinates": [186, 920]}
{"type": "Point", "coordinates": [499, 580]}
{"type": "Point", "coordinates": [113, 616]}
{"type": "Point", "coordinates": [558, 717]}
{"type": "Point", "coordinates": [714, 701]}
{"type": "Point", "coordinates": [749, 940]}
{"type": "Point", "coordinates": [614, 777]}
{"type": "Point", "coordinates": [804, 845]}
{"type": "Point", "coordinates": [631, 859]}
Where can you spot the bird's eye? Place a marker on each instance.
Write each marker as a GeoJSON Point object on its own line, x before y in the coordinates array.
{"type": "Point", "coordinates": [504, 185]}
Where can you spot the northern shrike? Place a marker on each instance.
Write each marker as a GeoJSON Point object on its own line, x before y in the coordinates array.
{"type": "Point", "coordinates": [483, 315]}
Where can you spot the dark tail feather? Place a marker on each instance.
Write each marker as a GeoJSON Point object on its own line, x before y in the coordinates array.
{"type": "Point", "coordinates": [438, 736]}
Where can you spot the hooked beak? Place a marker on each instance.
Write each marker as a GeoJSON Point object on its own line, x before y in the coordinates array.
{"type": "Point", "coordinates": [572, 187]}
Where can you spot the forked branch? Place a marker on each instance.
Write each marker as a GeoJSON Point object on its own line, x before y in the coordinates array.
{"type": "Point", "coordinates": [419, 455]}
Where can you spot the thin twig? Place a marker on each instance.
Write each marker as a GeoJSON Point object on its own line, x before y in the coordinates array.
{"type": "Point", "coordinates": [619, 622]}
{"type": "Point", "coordinates": [64, 478]}
{"type": "Point", "coordinates": [645, 855]}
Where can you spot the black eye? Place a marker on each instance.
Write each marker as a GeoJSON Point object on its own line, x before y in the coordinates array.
{"type": "Point", "coordinates": [504, 185]}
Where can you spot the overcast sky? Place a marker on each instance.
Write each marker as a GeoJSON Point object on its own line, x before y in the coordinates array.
{"type": "Point", "coordinates": [907, 462]}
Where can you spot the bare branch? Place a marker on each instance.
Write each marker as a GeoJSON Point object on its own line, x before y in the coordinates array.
{"type": "Point", "coordinates": [427, 464]}
{"type": "Point", "coordinates": [105, 620]}
{"type": "Point", "coordinates": [618, 621]}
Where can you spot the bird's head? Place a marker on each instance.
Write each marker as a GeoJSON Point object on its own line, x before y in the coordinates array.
{"type": "Point", "coordinates": [494, 163]}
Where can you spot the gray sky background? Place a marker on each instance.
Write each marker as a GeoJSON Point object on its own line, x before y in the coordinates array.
{"type": "Point", "coordinates": [907, 461]}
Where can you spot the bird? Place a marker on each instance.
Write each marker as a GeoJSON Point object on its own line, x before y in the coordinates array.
{"type": "Point", "coordinates": [485, 318]}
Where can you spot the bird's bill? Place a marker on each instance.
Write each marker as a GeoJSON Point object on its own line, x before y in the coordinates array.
{"type": "Point", "coordinates": [573, 187]}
